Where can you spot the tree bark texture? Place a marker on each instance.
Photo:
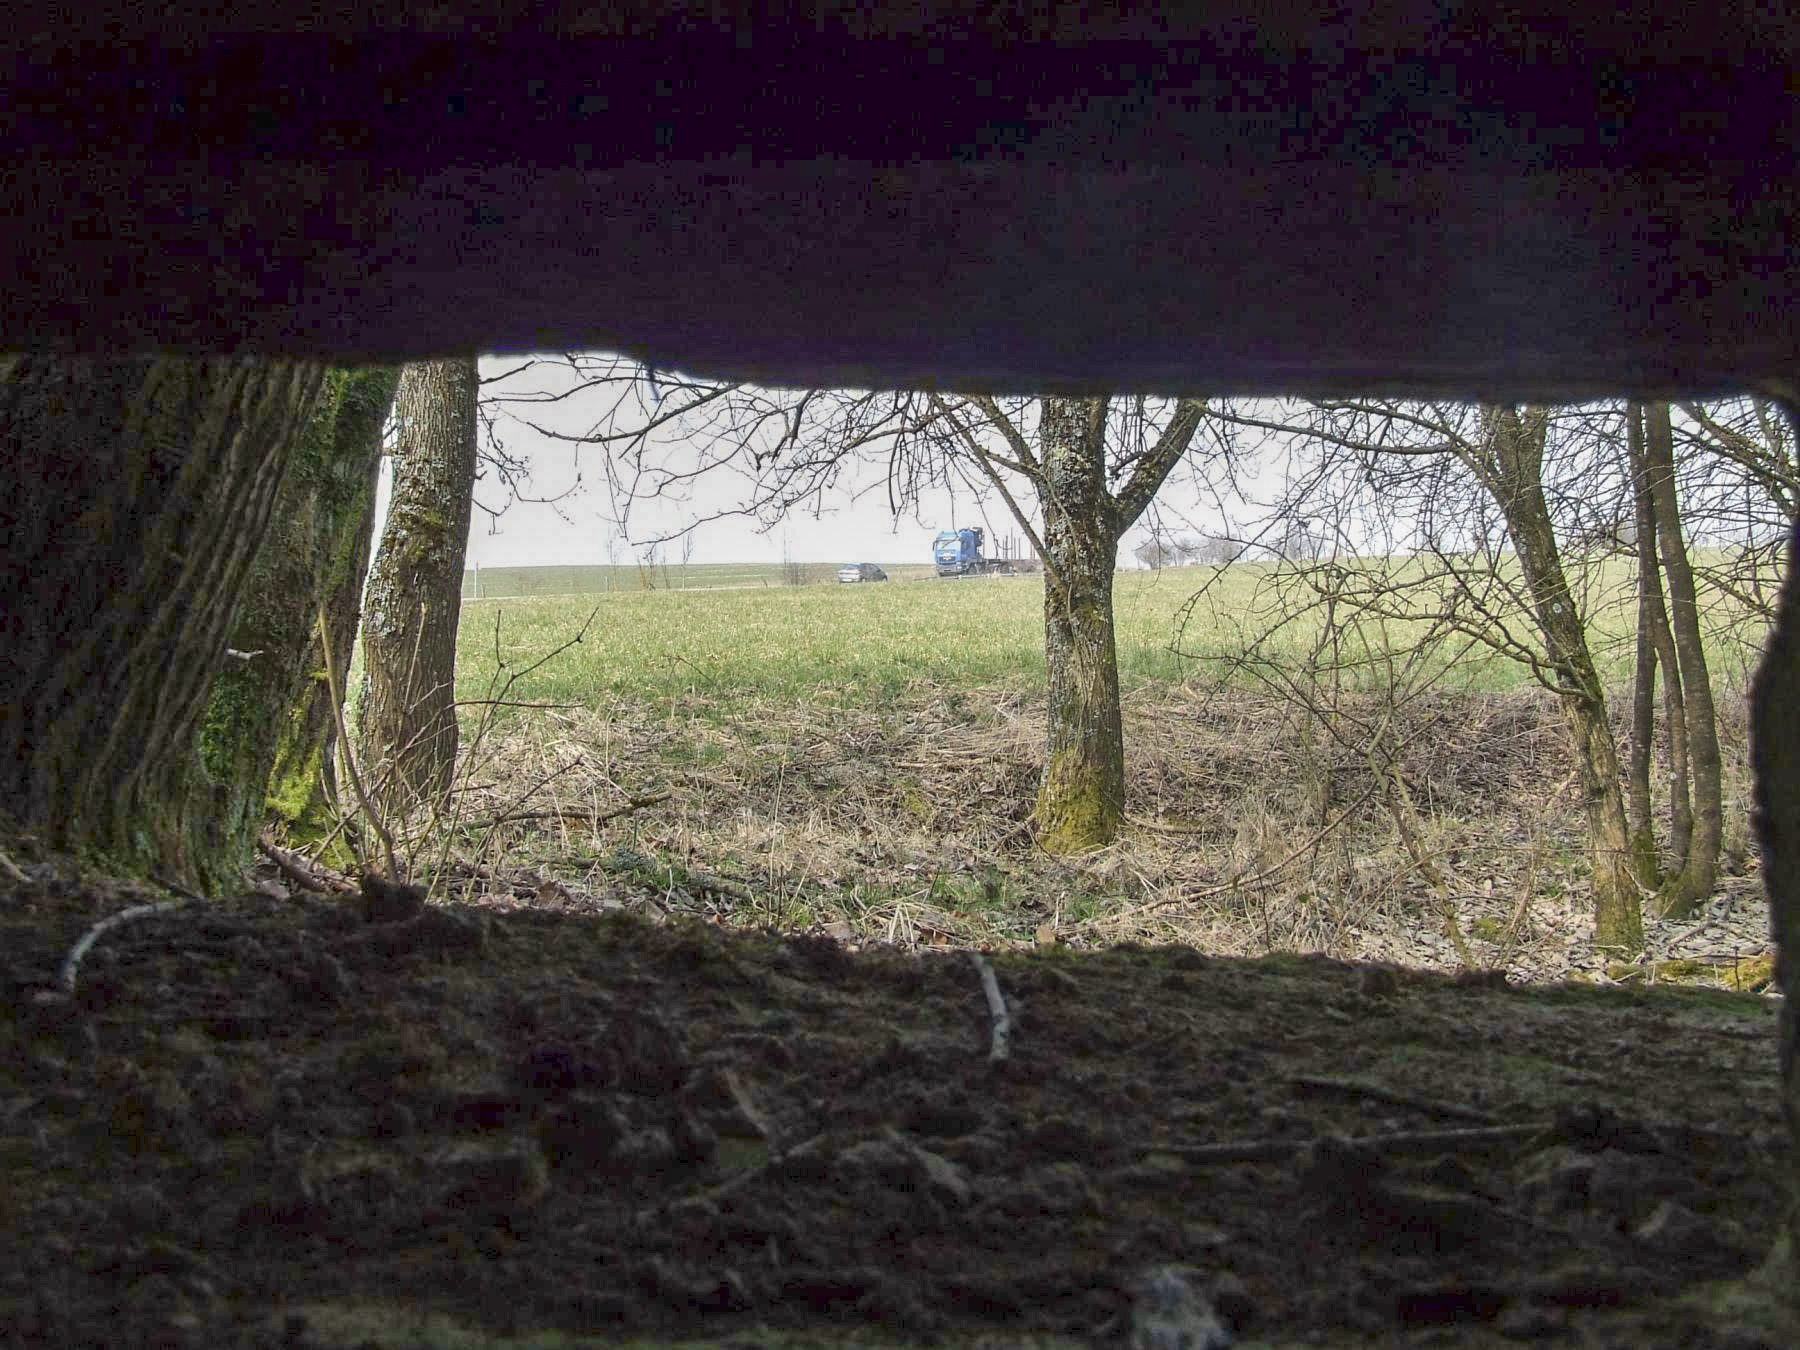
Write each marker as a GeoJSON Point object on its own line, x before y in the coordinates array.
{"type": "Point", "coordinates": [1775, 758]}
{"type": "Point", "coordinates": [1081, 798]}
{"type": "Point", "coordinates": [1512, 469]}
{"type": "Point", "coordinates": [1638, 810]}
{"type": "Point", "coordinates": [407, 732]}
{"type": "Point", "coordinates": [135, 495]}
{"type": "Point", "coordinates": [270, 724]}
{"type": "Point", "coordinates": [1699, 861]}
{"type": "Point", "coordinates": [1639, 818]}
{"type": "Point", "coordinates": [1655, 652]}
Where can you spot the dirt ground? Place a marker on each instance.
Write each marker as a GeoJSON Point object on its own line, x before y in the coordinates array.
{"type": "Point", "coordinates": [347, 1122]}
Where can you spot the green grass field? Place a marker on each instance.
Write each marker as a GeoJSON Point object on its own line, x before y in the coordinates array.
{"type": "Point", "coordinates": [866, 756]}
{"type": "Point", "coordinates": [738, 631]}
{"type": "Point", "coordinates": [852, 643]}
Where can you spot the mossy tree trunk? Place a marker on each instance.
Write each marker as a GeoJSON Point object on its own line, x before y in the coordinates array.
{"type": "Point", "coordinates": [1509, 464]}
{"type": "Point", "coordinates": [135, 495]}
{"type": "Point", "coordinates": [270, 724]}
{"type": "Point", "coordinates": [1081, 797]}
{"type": "Point", "coordinates": [303, 782]}
{"type": "Point", "coordinates": [407, 730]}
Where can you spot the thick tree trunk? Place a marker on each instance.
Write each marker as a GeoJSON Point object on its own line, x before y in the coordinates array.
{"type": "Point", "coordinates": [270, 723]}
{"type": "Point", "coordinates": [1513, 473]}
{"type": "Point", "coordinates": [1775, 756]}
{"type": "Point", "coordinates": [1081, 799]}
{"type": "Point", "coordinates": [407, 732]}
{"type": "Point", "coordinates": [134, 496]}
{"type": "Point", "coordinates": [1699, 861]}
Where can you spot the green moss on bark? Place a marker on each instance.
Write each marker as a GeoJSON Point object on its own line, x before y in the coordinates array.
{"type": "Point", "coordinates": [269, 723]}
{"type": "Point", "coordinates": [1076, 808]}
{"type": "Point", "coordinates": [146, 487]}
{"type": "Point", "coordinates": [407, 732]}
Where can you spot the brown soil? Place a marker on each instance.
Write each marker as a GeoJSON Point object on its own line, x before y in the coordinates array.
{"type": "Point", "coordinates": [262, 1123]}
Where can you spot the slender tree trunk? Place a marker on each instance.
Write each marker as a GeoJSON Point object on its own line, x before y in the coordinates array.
{"type": "Point", "coordinates": [1654, 632]}
{"type": "Point", "coordinates": [1674, 704]}
{"type": "Point", "coordinates": [1081, 799]}
{"type": "Point", "coordinates": [1675, 721]}
{"type": "Point", "coordinates": [1513, 473]}
{"type": "Point", "coordinates": [408, 724]}
{"type": "Point", "coordinates": [303, 783]}
{"type": "Point", "coordinates": [134, 496]}
{"type": "Point", "coordinates": [1639, 813]}
{"type": "Point", "coordinates": [1683, 892]}
{"type": "Point", "coordinates": [270, 722]}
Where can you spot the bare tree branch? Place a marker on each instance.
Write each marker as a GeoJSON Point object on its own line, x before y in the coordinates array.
{"type": "Point", "coordinates": [1154, 467]}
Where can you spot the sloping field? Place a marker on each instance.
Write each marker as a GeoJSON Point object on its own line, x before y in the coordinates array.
{"type": "Point", "coordinates": [737, 631]}
{"type": "Point", "coordinates": [502, 582]}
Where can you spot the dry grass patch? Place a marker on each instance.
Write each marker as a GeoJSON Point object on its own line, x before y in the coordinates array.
{"type": "Point", "coordinates": [1250, 831]}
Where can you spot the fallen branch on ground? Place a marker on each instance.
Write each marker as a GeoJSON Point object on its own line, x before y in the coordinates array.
{"type": "Point", "coordinates": [1001, 1044]}
{"type": "Point", "coordinates": [307, 876]}
{"type": "Point", "coordinates": [65, 974]}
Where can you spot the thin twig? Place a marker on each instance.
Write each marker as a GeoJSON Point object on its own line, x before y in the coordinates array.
{"type": "Point", "coordinates": [515, 703]}
{"type": "Point", "coordinates": [337, 707]}
{"type": "Point", "coordinates": [1255, 878]}
{"type": "Point", "coordinates": [65, 974]}
{"type": "Point", "coordinates": [499, 695]}
{"type": "Point", "coordinates": [574, 813]}
{"type": "Point", "coordinates": [1509, 940]}
{"type": "Point", "coordinates": [1001, 1043]}
{"type": "Point", "coordinates": [11, 869]}
{"type": "Point", "coordinates": [1407, 824]}
{"type": "Point", "coordinates": [542, 781]}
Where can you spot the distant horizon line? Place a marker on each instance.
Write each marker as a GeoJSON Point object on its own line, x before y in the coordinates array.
{"type": "Point", "coordinates": [676, 562]}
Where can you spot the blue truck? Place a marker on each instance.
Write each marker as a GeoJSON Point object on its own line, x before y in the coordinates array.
{"type": "Point", "coordinates": [957, 553]}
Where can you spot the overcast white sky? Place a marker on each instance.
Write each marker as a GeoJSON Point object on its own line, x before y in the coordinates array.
{"type": "Point", "coordinates": [580, 529]}
{"type": "Point", "coordinates": [854, 523]}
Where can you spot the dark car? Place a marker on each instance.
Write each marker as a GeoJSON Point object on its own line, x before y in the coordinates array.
{"type": "Point", "coordinates": [861, 572]}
